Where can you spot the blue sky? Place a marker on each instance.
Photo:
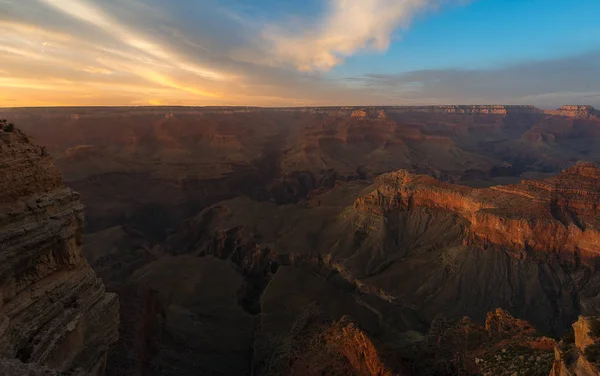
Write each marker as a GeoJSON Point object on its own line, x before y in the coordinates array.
{"type": "Point", "coordinates": [488, 33]}
{"type": "Point", "coordinates": [299, 52]}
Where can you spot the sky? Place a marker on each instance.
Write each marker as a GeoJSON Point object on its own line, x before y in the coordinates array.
{"type": "Point", "coordinates": [299, 52]}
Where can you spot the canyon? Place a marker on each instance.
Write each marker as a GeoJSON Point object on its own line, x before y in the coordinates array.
{"type": "Point", "coordinates": [304, 241]}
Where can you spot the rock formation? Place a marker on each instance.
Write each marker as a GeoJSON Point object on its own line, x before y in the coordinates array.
{"type": "Point", "coordinates": [359, 113]}
{"type": "Point", "coordinates": [580, 112]}
{"type": "Point", "coordinates": [580, 354]}
{"type": "Point", "coordinates": [415, 242]}
{"type": "Point", "coordinates": [504, 345]}
{"type": "Point", "coordinates": [559, 215]}
{"type": "Point", "coordinates": [316, 346]}
{"type": "Point", "coordinates": [122, 160]}
{"type": "Point", "coordinates": [54, 310]}
{"type": "Point", "coordinates": [263, 211]}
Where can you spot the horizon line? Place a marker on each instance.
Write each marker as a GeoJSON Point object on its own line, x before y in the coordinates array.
{"type": "Point", "coordinates": [292, 107]}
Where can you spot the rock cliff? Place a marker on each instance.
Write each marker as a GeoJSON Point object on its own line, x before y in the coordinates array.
{"type": "Point", "coordinates": [580, 354]}
{"type": "Point", "coordinates": [316, 346]}
{"type": "Point", "coordinates": [581, 112]}
{"type": "Point", "coordinates": [504, 345]}
{"type": "Point", "coordinates": [54, 310]}
{"type": "Point", "coordinates": [558, 215]}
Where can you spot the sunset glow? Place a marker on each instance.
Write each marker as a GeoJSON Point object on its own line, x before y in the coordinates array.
{"type": "Point", "coordinates": [233, 52]}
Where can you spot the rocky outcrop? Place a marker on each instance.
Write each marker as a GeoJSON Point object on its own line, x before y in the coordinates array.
{"type": "Point", "coordinates": [580, 354]}
{"type": "Point", "coordinates": [439, 109]}
{"type": "Point", "coordinates": [504, 345]}
{"type": "Point", "coordinates": [14, 367]}
{"type": "Point", "coordinates": [558, 215]}
{"type": "Point", "coordinates": [359, 114]}
{"type": "Point", "coordinates": [468, 109]}
{"type": "Point", "coordinates": [54, 310]}
{"type": "Point", "coordinates": [381, 113]}
{"type": "Point", "coordinates": [316, 346]}
{"type": "Point", "coordinates": [574, 111]}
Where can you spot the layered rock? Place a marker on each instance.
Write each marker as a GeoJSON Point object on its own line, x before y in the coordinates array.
{"type": "Point", "coordinates": [376, 112]}
{"type": "Point", "coordinates": [409, 241]}
{"type": "Point", "coordinates": [504, 345]}
{"type": "Point", "coordinates": [54, 309]}
{"type": "Point", "coordinates": [316, 346]}
{"type": "Point", "coordinates": [14, 367]}
{"type": "Point", "coordinates": [359, 113]}
{"type": "Point", "coordinates": [574, 111]}
{"type": "Point", "coordinates": [557, 215]}
{"type": "Point", "coordinates": [579, 355]}
{"type": "Point", "coordinates": [469, 109]}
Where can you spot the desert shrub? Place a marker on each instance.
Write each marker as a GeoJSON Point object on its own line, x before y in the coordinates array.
{"type": "Point", "coordinates": [592, 353]}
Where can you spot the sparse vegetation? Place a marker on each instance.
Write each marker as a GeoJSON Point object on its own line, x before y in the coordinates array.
{"type": "Point", "coordinates": [592, 353]}
{"type": "Point", "coordinates": [6, 126]}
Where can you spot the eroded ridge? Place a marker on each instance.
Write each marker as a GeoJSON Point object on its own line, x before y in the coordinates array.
{"type": "Point", "coordinates": [558, 215]}
{"type": "Point", "coordinates": [54, 309]}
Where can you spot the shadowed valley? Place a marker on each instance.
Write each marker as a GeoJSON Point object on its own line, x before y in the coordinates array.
{"type": "Point", "coordinates": [309, 241]}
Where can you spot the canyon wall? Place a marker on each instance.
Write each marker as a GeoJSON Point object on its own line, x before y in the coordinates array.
{"type": "Point", "coordinates": [581, 112]}
{"type": "Point", "coordinates": [579, 355]}
{"type": "Point", "coordinates": [54, 310]}
{"type": "Point", "coordinates": [557, 215]}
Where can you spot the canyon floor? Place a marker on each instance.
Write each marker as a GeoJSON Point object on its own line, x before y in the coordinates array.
{"type": "Point", "coordinates": [339, 241]}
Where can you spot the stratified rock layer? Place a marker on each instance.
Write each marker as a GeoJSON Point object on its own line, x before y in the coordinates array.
{"type": "Point", "coordinates": [503, 346]}
{"type": "Point", "coordinates": [558, 215]}
{"type": "Point", "coordinates": [575, 111]}
{"type": "Point", "coordinates": [54, 310]}
{"type": "Point", "coordinates": [581, 356]}
{"type": "Point", "coordinates": [315, 346]}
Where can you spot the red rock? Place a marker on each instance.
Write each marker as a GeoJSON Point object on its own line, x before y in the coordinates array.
{"type": "Point", "coordinates": [558, 215]}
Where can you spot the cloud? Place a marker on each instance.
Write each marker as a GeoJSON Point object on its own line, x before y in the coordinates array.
{"type": "Point", "coordinates": [182, 52]}
{"type": "Point", "coordinates": [186, 53]}
{"type": "Point", "coordinates": [547, 83]}
{"type": "Point", "coordinates": [348, 27]}
{"type": "Point", "coordinates": [91, 14]}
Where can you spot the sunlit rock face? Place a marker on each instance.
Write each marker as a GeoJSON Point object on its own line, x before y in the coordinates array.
{"type": "Point", "coordinates": [582, 112]}
{"type": "Point", "coordinates": [54, 310]}
{"type": "Point", "coordinates": [558, 215]}
{"type": "Point", "coordinates": [580, 354]}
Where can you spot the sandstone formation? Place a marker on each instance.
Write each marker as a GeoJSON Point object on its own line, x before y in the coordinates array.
{"type": "Point", "coordinates": [579, 355]}
{"type": "Point", "coordinates": [582, 112]}
{"type": "Point", "coordinates": [558, 215]}
{"type": "Point", "coordinates": [175, 161]}
{"type": "Point", "coordinates": [414, 243]}
{"type": "Point", "coordinates": [359, 114]}
{"type": "Point", "coordinates": [54, 310]}
{"type": "Point", "coordinates": [218, 226]}
{"type": "Point", "coordinates": [504, 345]}
{"type": "Point", "coordinates": [316, 346]}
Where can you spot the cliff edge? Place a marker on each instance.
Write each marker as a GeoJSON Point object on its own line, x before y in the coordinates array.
{"type": "Point", "coordinates": [558, 215]}
{"type": "Point", "coordinates": [579, 355]}
{"type": "Point", "coordinates": [54, 310]}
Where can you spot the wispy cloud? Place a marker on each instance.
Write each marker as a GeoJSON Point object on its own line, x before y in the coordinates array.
{"type": "Point", "coordinates": [348, 27]}
{"type": "Point", "coordinates": [119, 52]}
{"type": "Point", "coordinates": [87, 12]}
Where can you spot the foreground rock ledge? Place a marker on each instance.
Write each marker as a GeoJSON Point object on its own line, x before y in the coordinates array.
{"type": "Point", "coordinates": [54, 310]}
